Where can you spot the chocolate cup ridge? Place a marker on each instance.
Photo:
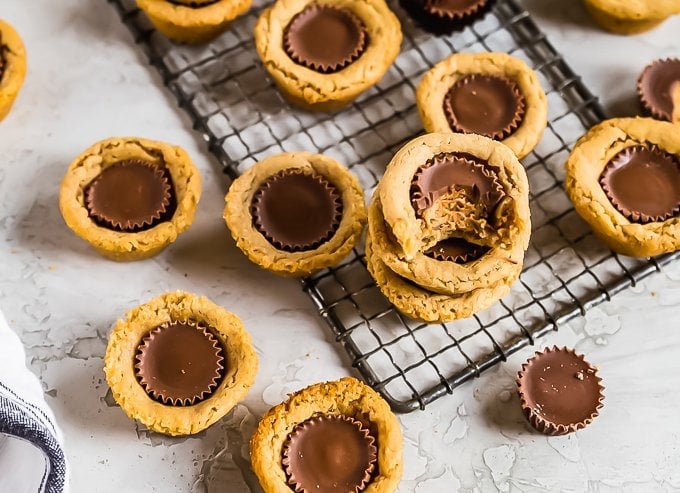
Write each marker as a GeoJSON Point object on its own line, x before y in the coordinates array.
{"type": "Point", "coordinates": [488, 105]}
{"type": "Point", "coordinates": [296, 211]}
{"type": "Point", "coordinates": [180, 363]}
{"type": "Point", "coordinates": [329, 453]}
{"type": "Point", "coordinates": [325, 38]}
{"type": "Point", "coordinates": [559, 391]}
{"type": "Point", "coordinates": [643, 184]}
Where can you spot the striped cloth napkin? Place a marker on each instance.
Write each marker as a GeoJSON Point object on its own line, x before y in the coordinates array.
{"type": "Point", "coordinates": [31, 454]}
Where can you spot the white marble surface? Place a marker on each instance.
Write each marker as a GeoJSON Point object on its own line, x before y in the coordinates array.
{"type": "Point", "coordinates": [88, 81]}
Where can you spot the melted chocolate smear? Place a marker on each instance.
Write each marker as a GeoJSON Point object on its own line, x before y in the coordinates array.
{"type": "Point", "coordinates": [643, 184]}
{"type": "Point", "coordinates": [131, 196]}
{"type": "Point", "coordinates": [448, 171]}
{"type": "Point", "coordinates": [561, 388]}
{"type": "Point", "coordinates": [325, 38]}
{"type": "Point", "coordinates": [296, 211]}
{"type": "Point", "coordinates": [487, 105]}
{"type": "Point", "coordinates": [329, 454]}
{"type": "Point", "coordinates": [655, 87]}
{"type": "Point", "coordinates": [180, 363]}
{"type": "Point", "coordinates": [456, 250]}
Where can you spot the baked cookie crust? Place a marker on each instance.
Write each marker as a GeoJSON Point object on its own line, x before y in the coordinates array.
{"type": "Point", "coordinates": [13, 73]}
{"type": "Point", "coordinates": [411, 233]}
{"type": "Point", "coordinates": [316, 91]}
{"type": "Point", "coordinates": [123, 246]}
{"type": "Point", "coordinates": [127, 334]}
{"type": "Point", "coordinates": [443, 277]}
{"type": "Point", "coordinates": [346, 396]}
{"type": "Point", "coordinates": [255, 245]}
{"type": "Point", "coordinates": [631, 17]}
{"type": "Point", "coordinates": [585, 166]}
{"type": "Point", "coordinates": [438, 81]}
{"type": "Point", "coordinates": [193, 24]}
{"type": "Point", "coordinates": [422, 304]}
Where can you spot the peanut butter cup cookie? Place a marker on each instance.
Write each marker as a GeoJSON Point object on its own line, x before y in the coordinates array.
{"type": "Point", "coordinates": [448, 226]}
{"type": "Point", "coordinates": [296, 213]}
{"type": "Point", "coordinates": [323, 54]}
{"type": "Point", "coordinates": [455, 185]}
{"type": "Point", "coordinates": [12, 67]}
{"type": "Point", "coordinates": [192, 21]}
{"type": "Point", "coordinates": [623, 177]}
{"type": "Point", "coordinates": [332, 437]}
{"type": "Point", "coordinates": [446, 16]}
{"type": "Point", "coordinates": [130, 197]}
{"type": "Point", "coordinates": [659, 89]}
{"type": "Point", "coordinates": [490, 94]}
{"type": "Point", "coordinates": [415, 301]}
{"type": "Point", "coordinates": [626, 17]}
{"type": "Point", "coordinates": [179, 363]}
{"type": "Point", "coordinates": [450, 267]}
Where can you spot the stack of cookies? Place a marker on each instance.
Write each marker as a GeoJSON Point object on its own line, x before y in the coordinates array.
{"type": "Point", "coordinates": [448, 226]}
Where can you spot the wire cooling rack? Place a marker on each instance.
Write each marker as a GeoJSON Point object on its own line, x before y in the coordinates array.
{"type": "Point", "coordinates": [234, 105]}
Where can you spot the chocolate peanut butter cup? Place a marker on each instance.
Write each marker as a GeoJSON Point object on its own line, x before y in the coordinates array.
{"type": "Point", "coordinates": [325, 38]}
{"type": "Point", "coordinates": [446, 172]}
{"type": "Point", "coordinates": [180, 363]}
{"type": "Point", "coordinates": [329, 453]}
{"type": "Point", "coordinates": [446, 16]}
{"type": "Point", "coordinates": [559, 391]}
{"type": "Point", "coordinates": [643, 184]}
{"type": "Point", "coordinates": [456, 250]}
{"type": "Point", "coordinates": [659, 89]}
{"type": "Point", "coordinates": [488, 105]}
{"type": "Point", "coordinates": [129, 196]}
{"type": "Point", "coordinates": [296, 211]}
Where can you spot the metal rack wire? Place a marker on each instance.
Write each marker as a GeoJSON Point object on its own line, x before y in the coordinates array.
{"type": "Point", "coordinates": [242, 117]}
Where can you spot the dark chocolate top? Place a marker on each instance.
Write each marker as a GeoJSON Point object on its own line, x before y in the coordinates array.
{"type": "Point", "coordinates": [487, 105]}
{"type": "Point", "coordinates": [129, 196]}
{"type": "Point", "coordinates": [655, 85]}
{"type": "Point", "coordinates": [456, 250]}
{"type": "Point", "coordinates": [643, 183]}
{"type": "Point", "coordinates": [296, 211]}
{"type": "Point", "coordinates": [453, 8]}
{"type": "Point", "coordinates": [329, 454]}
{"type": "Point", "coordinates": [446, 172]}
{"type": "Point", "coordinates": [325, 38]}
{"type": "Point", "coordinates": [180, 363]}
{"type": "Point", "coordinates": [560, 387]}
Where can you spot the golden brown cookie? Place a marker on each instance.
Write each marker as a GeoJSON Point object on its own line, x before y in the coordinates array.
{"type": "Point", "coordinates": [193, 21]}
{"type": "Point", "coordinates": [296, 213]}
{"type": "Point", "coordinates": [623, 177]}
{"type": "Point", "coordinates": [12, 67]}
{"type": "Point", "coordinates": [179, 363]}
{"type": "Point", "coordinates": [130, 197]}
{"type": "Point", "coordinates": [290, 426]}
{"type": "Point", "coordinates": [490, 94]}
{"type": "Point", "coordinates": [323, 54]}
{"type": "Point", "coordinates": [453, 267]}
{"type": "Point", "coordinates": [631, 17]}
{"type": "Point", "coordinates": [422, 304]}
{"type": "Point", "coordinates": [442, 184]}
